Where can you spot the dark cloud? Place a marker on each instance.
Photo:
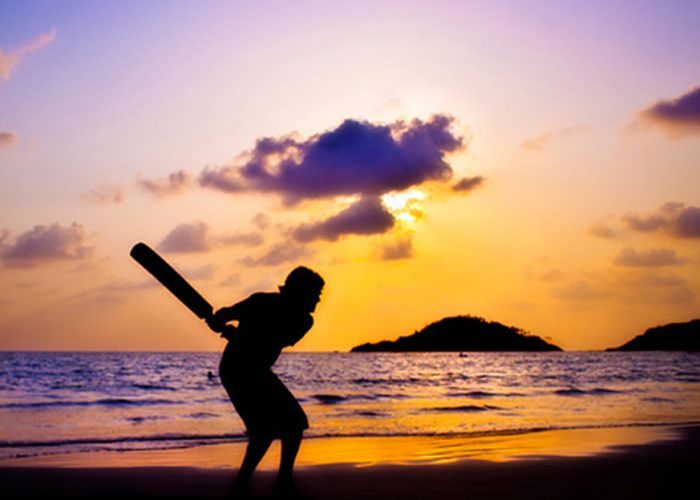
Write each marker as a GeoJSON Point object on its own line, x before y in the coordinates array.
{"type": "Point", "coordinates": [174, 183]}
{"type": "Point", "coordinates": [7, 139]}
{"type": "Point", "coordinates": [537, 143]}
{"type": "Point", "coordinates": [357, 158]}
{"type": "Point", "coordinates": [396, 250]}
{"type": "Point", "coordinates": [44, 244]}
{"type": "Point", "coordinates": [366, 216]}
{"type": "Point", "coordinates": [677, 116]}
{"type": "Point", "coordinates": [676, 219]}
{"type": "Point", "coordinates": [468, 183]}
{"type": "Point", "coordinates": [187, 238]}
{"type": "Point", "coordinates": [105, 194]}
{"type": "Point", "coordinates": [629, 257]}
{"type": "Point", "coordinates": [278, 254]}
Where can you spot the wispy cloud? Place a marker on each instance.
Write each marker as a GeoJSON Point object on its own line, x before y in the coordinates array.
{"type": "Point", "coordinates": [187, 238]}
{"type": "Point", "coordinates": [402, 248]}
{"type": "Point", "coordinates": [7, 139]}
{"type": "Point", "coordinates": [106, 193]}
{"type": "Point", "coordinates": [468, 184]}
{"type": "Point", "coordinates": [539, 142]}
{"type": "Point", "coordinates": [193, 237]}
{"type": "Point", "coordinates": [630, 257]}
{"type": "Point", "coordinates": [173, 184]}
{"type": "Point", "coordinates": [43, 244]}
{"type": "Point", "coordinates": [11, 58]}
{"type": "Point", "coordinates": [281, 253]}
{"type": "Point", "coordinates": [602, 230]}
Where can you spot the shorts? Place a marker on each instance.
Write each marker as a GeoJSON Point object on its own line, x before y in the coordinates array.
{"type": "Point", "coordinates": [263, 402]}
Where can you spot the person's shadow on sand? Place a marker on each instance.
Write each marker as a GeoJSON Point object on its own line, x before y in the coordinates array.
{"type": "Point", "coordinates": [267, 323]}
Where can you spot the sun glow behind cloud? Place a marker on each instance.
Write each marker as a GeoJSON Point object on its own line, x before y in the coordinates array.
{"type": "Point", "coordinates": [406, 207]}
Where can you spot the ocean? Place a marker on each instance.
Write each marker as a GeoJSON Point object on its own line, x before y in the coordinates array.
{"type": "Point", "coordinates": [63, 402]}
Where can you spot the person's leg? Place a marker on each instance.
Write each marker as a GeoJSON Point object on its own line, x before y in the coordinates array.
{"type": "Point", "coordinates": [290, 447]}
{"type": "Point", "coordinates": [257, 447]}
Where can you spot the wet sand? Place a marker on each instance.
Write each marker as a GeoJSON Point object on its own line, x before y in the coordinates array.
{"type": "Point", "coordinates": [599, 463]}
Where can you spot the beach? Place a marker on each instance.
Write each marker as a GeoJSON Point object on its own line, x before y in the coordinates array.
{"type": "Point", "coordinates": [643, 462]}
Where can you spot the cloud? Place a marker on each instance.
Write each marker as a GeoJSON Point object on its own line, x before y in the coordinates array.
{"type": "Point", "coordinates": [278, 254]}
{"type": "Point", "coordinates": [537, 143]}
{"type": "Point", "coordinates": [174, 183]}
{"type": "Point", "coordinates": [44, 244]}
{"type": "Point", "coordinates": [10, 59]}
{"type": "Point", "coordinates": [114, 292]}
{"type": "Point", "coordinates": [603, 231]}
{"type": "Point", "coordinates": [366, 216]}
{"type": "Point", "coordinates": [261, 221]}
{"type": "Point", "coordinates": [679, 116]}
{"type": "Point", "coordinates": [673, 218]}
{"type": "Point", "coordinates": [552, 275]}
{"type": "Point", "coordinates": [192, 237]}
{"type": "Point", "coordinates": [396, 250]}
{"type": "Point", "coordinates": [105, 194]}
{"type": "Point", "coordinates": [186, 238]}
{"type": "Point", "coordinates": [654, 286]}
{"type": "Point", "coordinates": [233, 280]}
{"type": "Point", "coordinates": [629, 257]}
{"type": "Point", "coordinates": [7, 139]}
{"type": "Point", "coordinates": [578, 290]}
{"type": "Point", "coordinates": [201, 273]}
{"type": "Point", "coordinates": [239, 238]}
{"type": "Point", "coordinates": [468, 183]}
{"type": "Point", "coordinates": [549, 275]}
{"type": "Point", "coordinates": [356, 158]}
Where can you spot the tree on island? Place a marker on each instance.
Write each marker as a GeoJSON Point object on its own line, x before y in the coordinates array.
{"type": "Point", "coordinates": [462, 333]}
{"type": "Point", "coordinates": [671, 337]}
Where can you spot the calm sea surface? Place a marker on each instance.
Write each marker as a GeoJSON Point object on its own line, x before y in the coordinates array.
{"type": "Point", "coordinates": [53, 403]}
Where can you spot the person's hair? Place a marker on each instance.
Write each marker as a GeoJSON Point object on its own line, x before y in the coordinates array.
{"type": "Point", "coordinates": [304, 278]}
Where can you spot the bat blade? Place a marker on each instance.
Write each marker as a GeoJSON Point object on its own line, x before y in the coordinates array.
{"type": "Point", "coordinates": [171, 279]}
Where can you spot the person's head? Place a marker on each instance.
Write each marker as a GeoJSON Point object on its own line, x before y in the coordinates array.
{"type": "Point", "coordinates": [303, 286]}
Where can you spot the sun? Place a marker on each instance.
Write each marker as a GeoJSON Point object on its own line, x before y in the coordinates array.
{"type": "Point", "coordinates": [405, 206]}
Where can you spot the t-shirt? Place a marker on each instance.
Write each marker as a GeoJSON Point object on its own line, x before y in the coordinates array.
{"type": "Point", "coordinates": [267, 323]}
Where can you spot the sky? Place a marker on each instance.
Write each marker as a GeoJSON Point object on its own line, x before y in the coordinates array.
{"type": "Point", "coordinates": [532, 163]}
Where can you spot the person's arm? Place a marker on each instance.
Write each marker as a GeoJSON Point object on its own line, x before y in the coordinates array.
{"type": "Point", "coordinates": [297, 333]}
{"type": "Point", "coordinates": [218, 320]}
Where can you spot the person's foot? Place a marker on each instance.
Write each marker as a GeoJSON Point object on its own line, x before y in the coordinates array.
{"type": "Point", "coordinates": [240, 490]}
{"type": "Point", "coordinates": [288, 490]}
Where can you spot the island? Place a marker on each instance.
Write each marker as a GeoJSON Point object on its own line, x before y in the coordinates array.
{"type": "Point", "coordinates": [462, 333]}
{"type": "Point", "coordinates": [671, 337]}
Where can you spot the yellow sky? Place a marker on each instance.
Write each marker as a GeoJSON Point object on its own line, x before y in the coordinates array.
{"type": "Point", "coordinates": [580, 223]}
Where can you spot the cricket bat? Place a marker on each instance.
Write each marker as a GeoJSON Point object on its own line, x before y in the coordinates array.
{"type": "Point", "coordinates": [175, 283]}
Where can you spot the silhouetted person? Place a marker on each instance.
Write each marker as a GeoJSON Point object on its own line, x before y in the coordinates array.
{"type": "Point", "coordinates": [267, 323]}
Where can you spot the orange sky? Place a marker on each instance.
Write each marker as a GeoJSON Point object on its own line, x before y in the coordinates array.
{"type": "Point", "coordinates": [533, 164]}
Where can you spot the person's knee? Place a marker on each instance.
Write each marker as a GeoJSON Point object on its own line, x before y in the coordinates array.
{"type": "Point", "coordinates": [292, 435]}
